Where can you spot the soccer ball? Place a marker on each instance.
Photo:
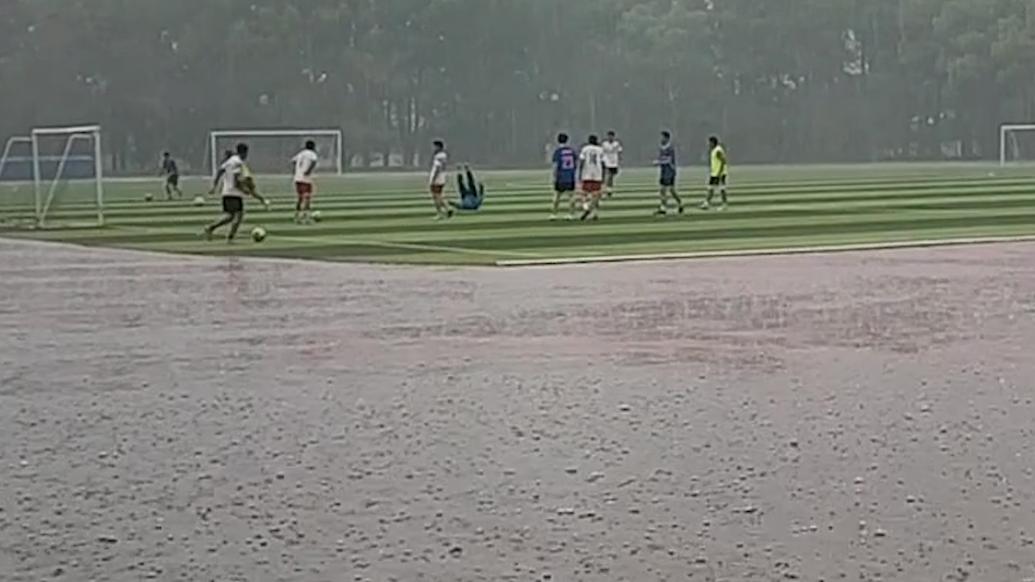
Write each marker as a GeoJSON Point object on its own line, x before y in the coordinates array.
{"type": "Point", "coordinates": [317, 217]}
{"type": "Point", "coordinates": [199, 201]}
{"type": "Point", "coordinates": [149, 197]}
{"type": "Point", "coordinates": [259, 234]}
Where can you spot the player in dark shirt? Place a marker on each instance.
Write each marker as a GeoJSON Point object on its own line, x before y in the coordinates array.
{"type": "Point", "coordinates": [472, 193]}
{"type": "Point", "coordinates": [565, 175]}
{"type": "Point", "coordinates": [667, 165]}
{"type": "Point", "coordinates": [172, 176]}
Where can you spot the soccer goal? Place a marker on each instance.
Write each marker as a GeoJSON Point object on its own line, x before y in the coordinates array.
{"type": "Point", "coordinates": [1016, 143]}
{"type": "Point", "coordinates": [68, 174]}
{"type": "Point", "coordinates": [271, 149]}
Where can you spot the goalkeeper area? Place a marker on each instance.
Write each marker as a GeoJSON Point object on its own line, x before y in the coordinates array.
{"type": "Point", "coordinates": [388, 218]}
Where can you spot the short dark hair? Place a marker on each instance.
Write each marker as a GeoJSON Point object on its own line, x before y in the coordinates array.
{"type": "Point", "coordinates": [165, 154]}
{"type": "Point", "coordinates": [439, 143]}
{"type": "Point", "coordinates": [666, 134]}
{"type": "Point", "coordinates": [611, 133]}
{"type": "Point", "coordinates": [593, 139]}
{"type": "Point", "coordinates": [562, 138]}
{"type": "Point", "coordinates": [310, 145]}
{"type": "Point", "coordinates": [242, 149]}
{"type": "Point", "coordinates": [714, 140]}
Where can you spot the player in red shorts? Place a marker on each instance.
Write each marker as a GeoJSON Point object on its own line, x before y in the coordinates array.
{"type": "Point", "coordinates": [591, 170]}
{"type": "Point", "coordinates": [305, 163]}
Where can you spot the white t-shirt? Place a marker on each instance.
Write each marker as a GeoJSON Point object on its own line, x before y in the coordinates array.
{"type": "Point", "coordinates": [305, 161]}
{"type": "Point", "coordinates": [592, 158]}
{"type": "Point", "coordinates": [612, 153]}
{"type": "Point", "coordinates": [233, 169]}
{"type": "Point", "coordinates": [439, 163]}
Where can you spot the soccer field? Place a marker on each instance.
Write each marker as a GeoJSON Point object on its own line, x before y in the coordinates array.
{"type": "Point", "coordinates": [388, 218]}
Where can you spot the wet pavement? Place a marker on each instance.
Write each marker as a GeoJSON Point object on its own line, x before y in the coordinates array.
{"type": "Point", "coordinates": [858, 416]}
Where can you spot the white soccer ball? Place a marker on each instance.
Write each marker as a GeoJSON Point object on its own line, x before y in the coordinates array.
{"type": "Point", "coordinates": [199, 201]}
{"type": "Point", "coordinates": [259, 234]}
{"type": "Point", "coordinates": [149, 197]}
{"type": "Point", "coordinates": [317, 217]}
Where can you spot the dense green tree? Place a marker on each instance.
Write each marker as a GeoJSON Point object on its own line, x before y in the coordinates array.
{"type": "Point", "coordinates": [780, 80]}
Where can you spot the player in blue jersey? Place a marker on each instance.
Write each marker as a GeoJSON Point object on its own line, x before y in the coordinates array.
{"type": "Point", "coordinates": [472, 192]}
{"type": "Point", "coordinates": [666, 164]}
{"type": "Point", "coordinates": [565, 175]}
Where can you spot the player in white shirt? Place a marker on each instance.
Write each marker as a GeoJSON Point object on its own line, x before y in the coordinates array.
{"type": "Point", "coordinates": [237, 181]}
{"type": "Point", "coordinates": [612, 161]}
{"type": "Point", "coordinates": [305, 163]}
{"type": "Point", "coordinates": [438, 178]}
{"type": "Point", "coordinates": [591, 173]}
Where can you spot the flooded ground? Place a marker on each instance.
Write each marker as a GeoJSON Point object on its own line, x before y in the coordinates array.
{"type": "Point", "coordinates": [861, 417]}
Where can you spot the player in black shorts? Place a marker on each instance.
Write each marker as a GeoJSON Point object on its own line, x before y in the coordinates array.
{"type": "Point", "coordinates": [172, 176]}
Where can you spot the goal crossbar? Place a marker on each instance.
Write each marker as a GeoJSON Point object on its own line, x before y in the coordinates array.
{"type": "Point", "coordinates": [336, 134]}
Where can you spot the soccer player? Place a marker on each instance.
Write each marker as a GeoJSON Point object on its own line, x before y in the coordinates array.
{"type": "Point", "coordinates": [305, 163]}
{"type": "Point", "coordinates": [612, 161]}
{"type": "Point", "coordinates": [437, 183]}
{"type": "Point", "coordinates": [472, 193]}
{"type": "Point", "coordinates": [719, 173]}
{"type": "Point", "coordinates": [172, 176]}
{"type": "Point", "coordinates": [565, 168]}
{"type": "Point", "coordinates": [666, 163]}
{"type": "Point", "coordinates": [237, 182]}
{"type": "Point", "coordinates": [591, 171]}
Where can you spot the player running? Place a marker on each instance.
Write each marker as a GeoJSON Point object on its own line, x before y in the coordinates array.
{"type": "Point", "coordinates": [237, 181]}
{"type": "Point", "coordinates": [612, 161]}
{"type": "Point", "coordinates": [565, 170]}
{"type": "Point", "coordinates": [591, 172]}
{"type": "Point", "coordinates": [719, 174]}
{"type": "Point", "coordinates": [472, 193]}
{"type": "Point", "coordinates": [437, 182]}
{"type": "Point", "coordinates": [666, 164]}
{"type": "Point", "coordinates": [172, 176]}
{"type": "Point", "coordinates": [305, 163]}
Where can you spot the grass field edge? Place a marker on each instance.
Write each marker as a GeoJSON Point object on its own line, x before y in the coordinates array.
{"type": "Point", "coordinates": [803, 250]}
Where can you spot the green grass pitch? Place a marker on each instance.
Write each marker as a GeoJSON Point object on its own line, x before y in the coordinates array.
{"type": "Point", "coordinates": [388, 218]}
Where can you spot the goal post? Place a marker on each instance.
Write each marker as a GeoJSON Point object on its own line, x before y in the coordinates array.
{"type": "Point", "coordinates": [333, 139]}
{"type": "Point", "coordinates": [47, 180]}
{"type": "Point", "coordinates": [1008, 140]}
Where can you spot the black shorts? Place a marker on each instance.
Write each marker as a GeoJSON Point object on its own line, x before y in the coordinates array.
{"type": "Point", "coordinates": [668, 180]}
{"type": "Point", "coordinates": [609, 175]}
{"type": "Point", "coordinates": [233, 204]}
{"type": "Point", "coordinates": [563, 187]}
{"type": "Point", "coordinates": [717, 181]}
{"type": "Point", "coordinates": [173, 180]}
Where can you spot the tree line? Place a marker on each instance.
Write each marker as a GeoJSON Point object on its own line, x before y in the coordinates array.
{"type": "Point", "coordinates": [782, 81]}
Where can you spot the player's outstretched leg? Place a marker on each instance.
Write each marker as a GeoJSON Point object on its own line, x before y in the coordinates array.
{"type": "Point", "coordinates": [212, 228]}
{"type": "Point", "coordinates": [235, 223]}
{"type": "Point", "coordinates": [679, 201]}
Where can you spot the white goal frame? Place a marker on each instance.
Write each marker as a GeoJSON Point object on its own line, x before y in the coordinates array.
{"type": "Point", "coordinates": [74, 134]}
{"type": "Point", "coordinates": [337, 134]}
{"type": "Point", "coordinates": [1005, 131]}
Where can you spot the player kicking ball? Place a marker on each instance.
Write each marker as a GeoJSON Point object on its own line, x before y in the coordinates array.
{"type": "Point", "coordinates": [437, 182]}
{"type": "Point", "coordinates": [237, 182]}
{"type": "Point", "coordinates": [666, 164]}
{"type": "Point", "coordinates": [719, 174]}
{"type": "Point", "coordinates": [305, 163]}
{"type": "Point", "coordinates": [591, 170]}
{"type": "Point", "coordinates": [565, 176]}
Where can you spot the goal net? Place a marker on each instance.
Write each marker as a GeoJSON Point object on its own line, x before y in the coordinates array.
{"type": "Point", "coordinates": [1016, 143]}
{"type": "Point", "coordinates": [16, 192]}
{"type": "Point", "coordinates": [67, 175]}
{"type": "Point", "coordinates": [270, 151]}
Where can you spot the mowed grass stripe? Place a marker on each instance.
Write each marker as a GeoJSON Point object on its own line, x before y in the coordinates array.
{"type": "Point", "coordinates": [397, 227]}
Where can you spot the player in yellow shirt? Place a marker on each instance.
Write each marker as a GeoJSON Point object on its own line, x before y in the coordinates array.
{"type": "Point", "coordinates": [719, 175]}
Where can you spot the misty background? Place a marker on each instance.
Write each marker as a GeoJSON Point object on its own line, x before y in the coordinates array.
{"type": "Point", "coordinates": [782, 81]}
